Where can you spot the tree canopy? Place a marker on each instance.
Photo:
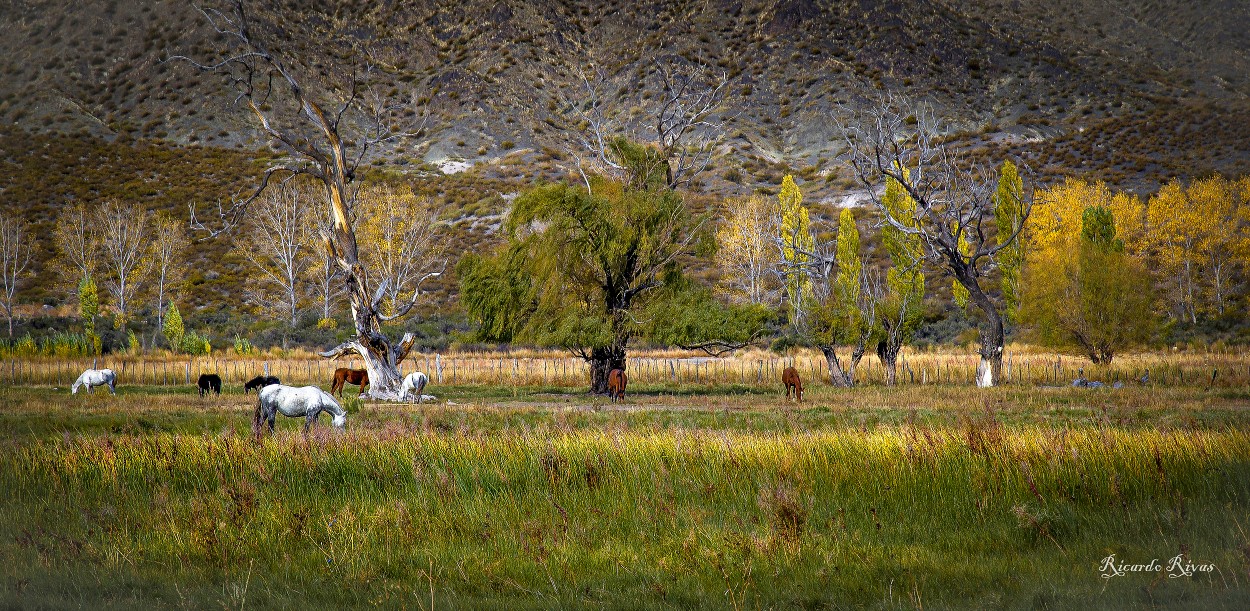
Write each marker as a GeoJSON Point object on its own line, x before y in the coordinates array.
{"type": "Point", "coordinates": [589, 267]}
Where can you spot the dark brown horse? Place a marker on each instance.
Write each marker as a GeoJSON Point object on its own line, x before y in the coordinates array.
{"type": "Point", "coordinates": [790, 377]}
{"type": "Point", "coordinates": [349, 376]}
{"type": "Point", "coordinates": [616, 384]}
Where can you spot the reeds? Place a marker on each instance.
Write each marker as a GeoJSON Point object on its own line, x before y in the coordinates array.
{"type": "Point", "coordinates": [638, 517]}
{"type": "Point", "coordinates": [1196, 369]}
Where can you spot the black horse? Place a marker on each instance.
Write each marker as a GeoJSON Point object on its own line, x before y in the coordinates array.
{"type": "Point", "coordinates": [209, 382]}
{"type": "Point", "coordinates": [259, 382]}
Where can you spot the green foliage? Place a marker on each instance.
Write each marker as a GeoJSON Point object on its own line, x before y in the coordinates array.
{"type": "Point", "coordinates": [195, 344]}
{"type": "Point", "coordinates": [904, 301]}
{"type": "Point", "coordinates": [796, 237]}
{"type": "Point", "coordinates": [847, 283]}
{"type": "Point", "coordinates": [60, 344]}
{"type": "Point", "coordinates": [496, 290]}
{"type": "Point", "coordinates": [583, 266]}
{"type": "Point", "coordinates": [174, 330]}
{"type": "Point", "coordinates": [1008, 212]}
{"type": "Point", "coordinates": [685, 313]}
{"type": "Point", "coordinates": [840, 319]}
{"type": "Point", "coordinates": [133, 345]}
{"type": "Point", "coordinates": [1098, 230]}
{"type": "Point", "coordinates": [646, 167]}
{"type": "Point", "coordinates": [242, 347]}
{"type": "Point", "coordinates": [1097, 301]}
{"type": "Point", "coordinates": [88, 309]}
{"type": "Point", "coordinates": [958, 292]}
{"type": "Point", "coordinates": [88, 302]}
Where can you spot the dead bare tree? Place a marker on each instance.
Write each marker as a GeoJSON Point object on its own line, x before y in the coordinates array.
{"type": "Point", "coordinates": [899, 139]}
{"type": "Point", "coordinates": [325, 113]}
{"type": "Point", "coordinates": [124, 232]}
{"type": "Point", "coordinates": [681, 121]}
{"type": "Point", "coordinates": [77, 247]}
{"type": "Point", "coordinates": [169, 263]}
{"type": "Point", "coordinates": [17, 245]}
{"type": "Point", "coordinates": [275, 242]}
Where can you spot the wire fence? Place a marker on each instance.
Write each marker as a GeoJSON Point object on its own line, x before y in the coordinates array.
{"type": "Point", "coordinates": [1200, 369]}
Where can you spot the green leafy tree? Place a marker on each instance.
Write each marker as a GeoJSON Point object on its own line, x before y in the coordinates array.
{"type": "Point", "coordinates": [796, 240]}
{"type": "Point", "coordinates": [174, 330]}
{"type": "Point", "coordinates": [843, 311]}
{"type": "Point", "coordinates": [1089, 296]}
{"type": "Point", "coordinates": [88, 309]}
{"type": "Point", "coordinates": [1008, 219]}
{"type": "Point", "coordinates": [959, 292]}
{"type": "Point", "coordinates": [585, 264]}
{"type": "Point", "coordinates": [902, 306]}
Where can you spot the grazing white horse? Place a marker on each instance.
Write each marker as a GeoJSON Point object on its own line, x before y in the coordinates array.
{"type": "Point", "coordinates": [96, 377]}
{"type": "Point", "coordinates": [413, 384]}
{"type": "Point", "coordinates": [308, 401]}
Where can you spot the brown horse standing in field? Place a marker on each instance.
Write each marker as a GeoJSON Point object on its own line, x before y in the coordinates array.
{"type": "Point", "coordinates": [790, 377]}
{"type": "Point", "coordinates": [349, 376]}
{"type": "Point", "coordinates": [616, 384]}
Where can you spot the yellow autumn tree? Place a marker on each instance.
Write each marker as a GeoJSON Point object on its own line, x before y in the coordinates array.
{"type": "Point", "coordinates": [1055, 224]}
{"type": "Point", "coordinates": [746, 250]}
{"type": "Point", "coordinates": [796, 238]}
{"type": "Point", "coordinates": [398, 242]}
{"type": "Point", "coordinates": [1196, 234]}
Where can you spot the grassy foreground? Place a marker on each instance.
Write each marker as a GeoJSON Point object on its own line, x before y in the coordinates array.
{"type": "Point", "coordinates": [721, 501]}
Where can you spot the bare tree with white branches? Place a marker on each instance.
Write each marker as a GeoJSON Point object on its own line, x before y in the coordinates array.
{"type": "Point", "coordinates": [681, 121]}
{"type": "Point", "coordinates": [275, 242]}
{"type": "Point", "coordinates": [169, 263]}
{"type": "Point", "coordinates": [323, 276]}
{"type": "Point", "coordinates": [124, 232]}
{"type": "Point", "coordinates": [16, 248]}
{"type": "Point", "coordinates": [76, 244]}
{"type": "Point", "coordinates": [954, 215]}
{"type": "Point", "coordinates": [326, 114]}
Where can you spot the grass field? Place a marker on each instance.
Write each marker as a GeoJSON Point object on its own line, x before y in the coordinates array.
{"type": "Point", "coordinates": [708, 495]}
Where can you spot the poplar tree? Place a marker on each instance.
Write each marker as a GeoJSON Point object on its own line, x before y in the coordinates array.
{"type": "Point", "coordinates": [1008, 215]}
{"type": "Point", "coordinates": [88, 309]}
{"type": "Point", "coordinates": [1087, 295]}
{"type": "Point", "coordinates": [796, 239]}
{"type": "Point", "coordinates": [174, 330]}
{"type": "Point", "coordinates": [844, 308]}
{"type": "Point", "coordinates": [902, 306]}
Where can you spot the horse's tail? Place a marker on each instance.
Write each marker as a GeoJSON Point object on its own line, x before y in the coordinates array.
{"type": "Point", "coordinates": [256, 419]}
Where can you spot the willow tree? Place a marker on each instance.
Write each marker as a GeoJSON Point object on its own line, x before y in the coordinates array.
{"type": "Point", "coordinates": [954, 216]}
{"type": "Point", "coordinates": [589, 267]}
{"type": "Point", "coordinates": [325, 99]}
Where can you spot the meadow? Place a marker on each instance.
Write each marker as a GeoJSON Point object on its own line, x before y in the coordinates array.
{"type": "Point", "coordinates": [714, 494]}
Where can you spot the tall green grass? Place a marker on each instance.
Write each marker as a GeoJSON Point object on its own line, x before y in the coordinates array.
{"type": "Point", "coordinates": [906, 516]}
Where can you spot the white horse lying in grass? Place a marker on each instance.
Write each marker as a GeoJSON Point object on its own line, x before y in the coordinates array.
{"type": "Point", "coordinates": [96, 377]}
{"type": "Point", "coordinates": [308, 402]}
{"type": "Point", "coordinates": [413, 384]}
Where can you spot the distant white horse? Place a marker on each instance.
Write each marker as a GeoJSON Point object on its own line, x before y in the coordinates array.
{"type": "Point", "coordinates": [413, 384]}
{"type": "Point", "coordinates": [96, 377]}
{"type": "Point", "coordinates": [308, 402]}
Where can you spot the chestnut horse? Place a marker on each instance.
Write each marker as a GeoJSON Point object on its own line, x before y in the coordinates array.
{"type": "Point", "coordinates": [616, 384]}
{"type": "Point", "coordinates": [349, 376]}
{"type": "Point", "coordinates": [790, 377]}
